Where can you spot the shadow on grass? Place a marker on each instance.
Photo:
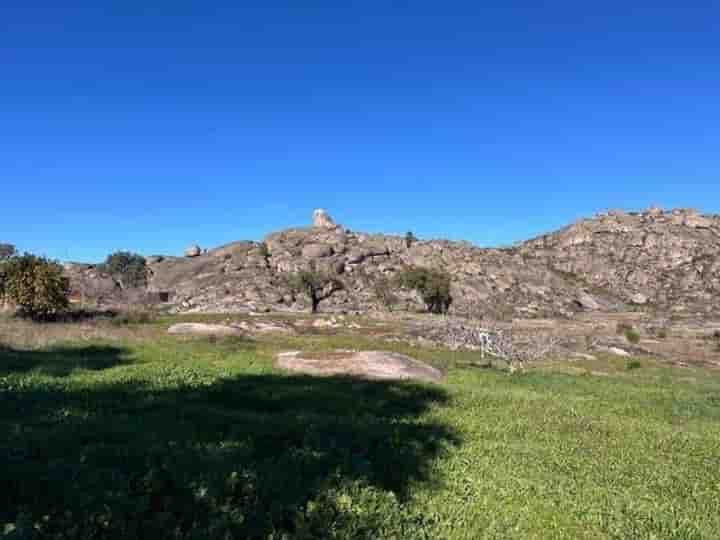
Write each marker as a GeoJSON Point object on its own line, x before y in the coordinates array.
{"type": "Point", "coordinates": [261, 456]}
{"type": "Point", "coordinates": [61, 361]}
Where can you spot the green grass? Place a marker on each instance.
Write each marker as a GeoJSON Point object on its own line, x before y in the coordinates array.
{"type": "Point", "coordinates": [198, 438]}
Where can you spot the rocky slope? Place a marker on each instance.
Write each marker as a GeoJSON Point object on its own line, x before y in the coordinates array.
{"type": "Point", "coordinates": [654, 259]}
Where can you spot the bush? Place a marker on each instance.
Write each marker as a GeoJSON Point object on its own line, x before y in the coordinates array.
{"type": "Point", "coordinates": [632, 335]}
{"type": "Point", "coordinates": [128, 269]}
{"type": "Point", "coordinates": [432, 285]}
{"type": "Point", "coordinates": [662, 333]}
{"type": "Point", "coordinates": [384, 292]}
{"type": "Point", "coordinates": [633, 364]}
{"type": "Point", "coordinates": [35, 285]}
{"type": "Point", "coordinates": [263, 250]}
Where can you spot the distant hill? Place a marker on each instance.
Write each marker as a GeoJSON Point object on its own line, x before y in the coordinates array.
{"type": "Point", "coordinates": [652, 260]}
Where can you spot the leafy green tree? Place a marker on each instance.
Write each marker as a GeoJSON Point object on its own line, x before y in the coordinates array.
{"type": "Point", "coordinates": [35, 285]}
{"type": "Point", "coordinates": [432, 285]}
{"type": "Point", "coordinates": [128, 269]}
{"type": "Point", "coordinates": [316, 285]}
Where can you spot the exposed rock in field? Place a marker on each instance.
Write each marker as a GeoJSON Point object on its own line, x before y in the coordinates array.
{"type": "Point", "coordinates": [367, 364]}
{"type": "Point", "coordinates": [617, 351]}
{"type": "Point", "coordinates": [203, 329]}
{"type": "Point", "coordinates": [264, 327]}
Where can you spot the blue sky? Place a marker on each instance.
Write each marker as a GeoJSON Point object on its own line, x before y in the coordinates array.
{"type": "Point", "coordinates": [125, 125]}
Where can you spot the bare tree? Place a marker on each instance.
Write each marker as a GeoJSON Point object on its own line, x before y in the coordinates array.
{"type": "Point", "coordinates": [503, 344]}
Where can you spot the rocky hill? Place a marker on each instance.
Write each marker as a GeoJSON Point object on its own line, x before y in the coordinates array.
{"type": "Point", "coordinates": [653, 260]}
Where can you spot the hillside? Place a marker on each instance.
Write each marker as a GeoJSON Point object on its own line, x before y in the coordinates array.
{"type": "Point", "coordinates": [653, 260]}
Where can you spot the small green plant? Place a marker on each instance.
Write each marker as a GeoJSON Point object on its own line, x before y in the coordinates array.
{"type": "Point", "coordinates": [35, 285]}
{"type": "Point", "coordinates": [632, 335]}
{"type": "Point", "coordinates": [627, 330]}
{"type": "Point", "coordinates": [432, 285]}
{"type": "Point", "coordinates": [263, 250]}
{"type": "Point", "coordinates": [633, 364]}
{"type": "Point", "coordinates": [662, 333]}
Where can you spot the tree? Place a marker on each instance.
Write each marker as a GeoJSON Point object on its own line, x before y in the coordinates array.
{"type": "Point", "coordinates": [35, 285]}
{"type": "Point", "coordinates": [410, 239]}
{"type": "Point", "coordinates": [317, 285]}
{"type": "Point", "coordinates": [128, 269]}
{"type": "Point", "coordinates": [6, 251]}
{"type": "Point", "coordinates": [383, 289]}
{"type": "Point", "coordinates": [432, 285]}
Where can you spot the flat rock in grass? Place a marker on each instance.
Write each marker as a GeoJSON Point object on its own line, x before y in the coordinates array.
{"type": "Point", "coordinates": [377, 365]}
{"type": "Point", "coordinates": [617, 351]}
{"type": "Point", "coordinates": [203, 329]}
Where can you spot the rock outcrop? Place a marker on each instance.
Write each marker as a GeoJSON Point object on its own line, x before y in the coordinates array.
{"type": "Point", "coordinates": [322, 220]}
{"type": "Point", "coordinates": [193, 251]}
{"type": "Point", "coordinates": [654, 260]}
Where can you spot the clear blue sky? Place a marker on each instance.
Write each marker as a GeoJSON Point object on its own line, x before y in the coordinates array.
{"type": "Point", "coordinates": [150, 125]}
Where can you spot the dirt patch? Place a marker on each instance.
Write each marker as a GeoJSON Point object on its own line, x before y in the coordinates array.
{"type": "Point", "coordinates": [376, 365]}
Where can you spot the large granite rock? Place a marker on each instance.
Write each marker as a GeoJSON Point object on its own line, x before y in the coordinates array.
{"type": "Point", "coordinates": [322, 220]}
{"type": "Point", "coordinates": [659, 260]}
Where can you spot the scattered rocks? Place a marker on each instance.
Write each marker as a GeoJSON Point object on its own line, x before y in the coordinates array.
{"type": "Point", "coordinates": [203, 329]}
{"type": "Point", "coordinates": [377, 365]}
{"type": "Point", "coordinates": [588, 302]}
{"type": "Point", "coordinates": [617, 351]}
{"type": "Point", "coordinates": [583, 356]}
{"type": "Point", "coordinates": [639, 299]}
{"type": "Point", "coordinates": [316, 251]}
{"type": "Point", "coordinates": [264, 327]}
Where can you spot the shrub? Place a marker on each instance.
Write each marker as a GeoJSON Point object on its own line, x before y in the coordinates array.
{"type": "Point", "coordinates": [432, 285]}
{"type": "Point", "coordinates": [662, 333]}
{"type": "Point", "coordinates": [632, 335]}
{"type": "Point", "coordinates": [35, 285]}
{"type": "Point", "coordinates": [384, 292]}
{"type": "Point", "coordinates": [317, 285]}
{"type": "Point", "coordinates": [410, 239]}
{"type": "Point", "coordinates": [264, 250]}
{"type": "Point", "coordinates": [128, 269]}
{"type": "Point", "coordinates": [633, 364]}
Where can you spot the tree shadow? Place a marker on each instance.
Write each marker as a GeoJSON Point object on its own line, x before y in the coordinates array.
{"type": "Point", "coordinates": [61, 361]}
{"type": "Point", "coordinates": [256, 456]}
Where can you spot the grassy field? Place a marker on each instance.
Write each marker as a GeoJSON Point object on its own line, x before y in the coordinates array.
{"type": "Point", "coordinates": [135, 434]}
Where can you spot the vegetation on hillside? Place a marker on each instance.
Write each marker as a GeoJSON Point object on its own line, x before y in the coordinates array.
{"type": "Point", "coordinates": [35, 285]}
{"type": "Point", "coordinates": [316, 284]}
{"type": "Point", "coordinates": [129, 270]}
{"type": "Point", "coordinates": [432, 285]}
